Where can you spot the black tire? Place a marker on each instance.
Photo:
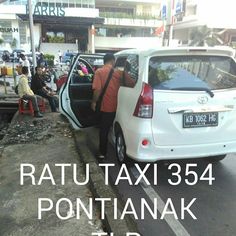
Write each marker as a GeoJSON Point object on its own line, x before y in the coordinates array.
{"type": "Point", "coordinates": [215, 159]}
{"type": "Point", "coordinates": [120, 147]}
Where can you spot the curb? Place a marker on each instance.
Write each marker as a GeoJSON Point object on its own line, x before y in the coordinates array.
{"type": "Point", "coordinates": [100, 190]}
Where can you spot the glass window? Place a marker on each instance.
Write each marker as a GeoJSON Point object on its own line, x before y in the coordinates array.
{"type": "Point", "coordinates": [124, 32]}
{"type": "Point", "coordinates": [82, 73]}
{"type": "Point", "coordinates": [6, 32]}
{"type": "Point", "coordinates": [130, 68]}
{"type": "Point", "coordinates": [22, 30]}
{"type": "Point", "coordinates": [117, 11]}
{"type": "Point", "coordinates": [120, 63]}
{"type": "Point", "coordinates": [72, 3]}
{"type": "Point", "coordinates": [191, 72]}
{"type": "Point", "coordinates": [55, 37]}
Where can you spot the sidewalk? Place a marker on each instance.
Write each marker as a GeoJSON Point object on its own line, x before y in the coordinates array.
{"type": "Point", "coordinates": [39, 142]}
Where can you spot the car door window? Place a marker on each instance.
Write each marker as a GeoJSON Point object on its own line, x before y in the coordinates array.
{"type": "Point", "coordinates": [82, 73]}
{"type": "Point", "coordinates": [130, 69]}
{"type": "Point", "coordinates": [120, 63]}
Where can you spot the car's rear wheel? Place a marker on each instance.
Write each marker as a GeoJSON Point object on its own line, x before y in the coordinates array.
{"type": "Point", "coordinates": [120, 147]}
{"type": "Point", "coordinates": [215, 159]}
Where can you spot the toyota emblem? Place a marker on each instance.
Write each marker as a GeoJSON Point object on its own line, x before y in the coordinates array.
{"type": "Point", "coordinates": [202, 100]}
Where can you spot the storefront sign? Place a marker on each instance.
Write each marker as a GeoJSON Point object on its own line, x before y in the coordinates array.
{"type": "Point", "coordinates": [178, 7]}
{"type": "Point", "coordinates": [8, 30]}
{"type": "Point", "coordinates": [163, 10]}
{"type": "Point", "coordinates": [47, 10]}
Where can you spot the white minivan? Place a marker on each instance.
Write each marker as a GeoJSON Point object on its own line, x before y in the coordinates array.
{"type": "Point", "coordinates": [182, 103]}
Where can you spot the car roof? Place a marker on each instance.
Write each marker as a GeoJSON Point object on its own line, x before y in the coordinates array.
{"type": "Point", "coordinates": [70, 53]}
{"type": "Point", "coordinates": [18, 50]}
{"type": "Point", "coordinates": [170, 51]}
{"type": "Point", "coordinates": [95, 59]}
{"type": "Point", "coordinates": [4, 50]}
{"type": "Point", "coordinates": [92, 55]}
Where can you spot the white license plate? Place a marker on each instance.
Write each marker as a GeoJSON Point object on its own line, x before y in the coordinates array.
{"type": "Point", "coordinates": [193, 120]}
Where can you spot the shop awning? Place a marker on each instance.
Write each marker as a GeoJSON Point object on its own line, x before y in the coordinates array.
{"type": "Point", "coordinates": [71, 20]}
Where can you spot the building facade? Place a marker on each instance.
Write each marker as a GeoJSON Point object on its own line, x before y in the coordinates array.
{"type": "Point", "coordinates": [64, 25]}
{"type": "Point", "coordinates": [81, 25]}
{"type": "Point", "coordinates": [216, 16]}
{"type": "Point", "coordinates": [128, 24]}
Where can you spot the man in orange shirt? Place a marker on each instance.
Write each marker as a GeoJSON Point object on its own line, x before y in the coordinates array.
{"type": "Point", "coordinates": [109, 101]}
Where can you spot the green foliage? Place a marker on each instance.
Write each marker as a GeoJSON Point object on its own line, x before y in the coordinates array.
{"type": "Point", "coordinates": [13, 43]}
{"type": "Point", "coordinates": [50, 59]}
{"type": "Point", "coordinates": [233, 45]}
{"type": "Point", "coordinates": [1, 41]}
{"type": "Point", "coordinates": [164, 74]}
{"type": "Point", "coordinates": [202, 36]}
{"type": "Point", "coordinates": [55, 39]}
{"type": "Point", "coordinates": [128, 16]}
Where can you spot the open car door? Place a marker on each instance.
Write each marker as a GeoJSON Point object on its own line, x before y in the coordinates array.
{"type": "Point", "coordinates": [76, 95]}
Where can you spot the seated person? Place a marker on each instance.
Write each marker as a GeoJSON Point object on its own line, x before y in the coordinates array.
{"type": "Point", "coordinates": [40, 88]}
{"type": "Point", "coordinates": [26, 93]}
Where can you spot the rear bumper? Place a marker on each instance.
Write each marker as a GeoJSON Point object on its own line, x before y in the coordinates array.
{"type": "Point", "coordinates": [153, 153]}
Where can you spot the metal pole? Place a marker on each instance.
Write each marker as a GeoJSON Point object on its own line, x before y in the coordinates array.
{"type": "Point", "coordinates": [92, 38]}
{"type": "Point", "coordinates": [13, 71]}
{"type": "Point", "coordinates": [32, 33]}
{"type": "Point", "coordinates": [5, 84]}
{"type": "Point", "coordinates": [172, 8]}
{"type": "Point", "coordinates": [170, 34]}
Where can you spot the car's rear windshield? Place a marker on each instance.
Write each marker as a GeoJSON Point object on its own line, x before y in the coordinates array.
{"type": "Point", "coordinates": [187, 72]}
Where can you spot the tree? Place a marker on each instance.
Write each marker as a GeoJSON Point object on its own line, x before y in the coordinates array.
{"type": "Point", "coordinates": [203, 36]}
{"type": "Point", "coordinates": [1, 41]}
{"type": "Point", "coordinates": [13, 43]}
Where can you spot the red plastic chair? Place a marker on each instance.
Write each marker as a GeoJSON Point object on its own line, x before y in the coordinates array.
{"type": "Point", "coordinates": [26, 106]}
{"type": "Point", "coordinates": [41, 104]}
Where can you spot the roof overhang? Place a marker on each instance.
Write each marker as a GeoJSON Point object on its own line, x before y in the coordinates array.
{"type": "Point", "coordinates": [66, 20]}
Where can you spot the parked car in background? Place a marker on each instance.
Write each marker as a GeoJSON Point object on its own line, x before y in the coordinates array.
{"type": "Point", "coordinates": [182, 104]}
{"type": "Point", "coordinates": [5, 55]}
{"type": "Point", "coordinates": [16, 52]}
{"type": "Point", "coordinates": [67, 57]}
{"type": "Point", "coordinates": [30, 57]}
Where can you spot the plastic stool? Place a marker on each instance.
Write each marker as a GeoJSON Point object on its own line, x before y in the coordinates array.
{"type": "Point", "coordinates": [26, 106]}
{"type": "Point", "coordinates": [41, 104]}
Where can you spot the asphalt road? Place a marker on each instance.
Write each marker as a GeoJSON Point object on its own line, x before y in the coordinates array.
{"type": "Point", "coordinates": [214, 207]}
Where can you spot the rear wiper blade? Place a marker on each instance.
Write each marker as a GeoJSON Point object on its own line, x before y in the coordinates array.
{"type": "Point", "coordinates": [196, 89]}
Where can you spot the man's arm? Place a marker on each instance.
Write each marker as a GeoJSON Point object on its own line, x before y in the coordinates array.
{"type": "Point", "coordinates": [96, 94]}
{"type": "Point", "coordinates": [129, 82]}
{"type": "Point", "coordinates": [97, 87]}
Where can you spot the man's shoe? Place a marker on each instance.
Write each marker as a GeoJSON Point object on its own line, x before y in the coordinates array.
{"type": "Point", "coordinates": [38, 114]}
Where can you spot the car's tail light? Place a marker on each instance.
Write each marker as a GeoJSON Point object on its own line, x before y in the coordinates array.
{"type": "Point", "coordinates": [144, 106]}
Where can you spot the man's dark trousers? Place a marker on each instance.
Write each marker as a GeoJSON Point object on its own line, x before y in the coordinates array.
{"type": "Point", "coordinates": [106, 122]}
{"type": "Point", "coordinates": [34, 101]}
{"type": "Point", "coordinates": [51, 99]}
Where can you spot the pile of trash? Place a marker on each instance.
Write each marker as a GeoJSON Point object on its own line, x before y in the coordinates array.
{"type": "Point", "coordinates": [3, 129]}
{"type": "Point", "coordinates": [27, 131]}
{"type": "Point", "coordinates": [5, 120]}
